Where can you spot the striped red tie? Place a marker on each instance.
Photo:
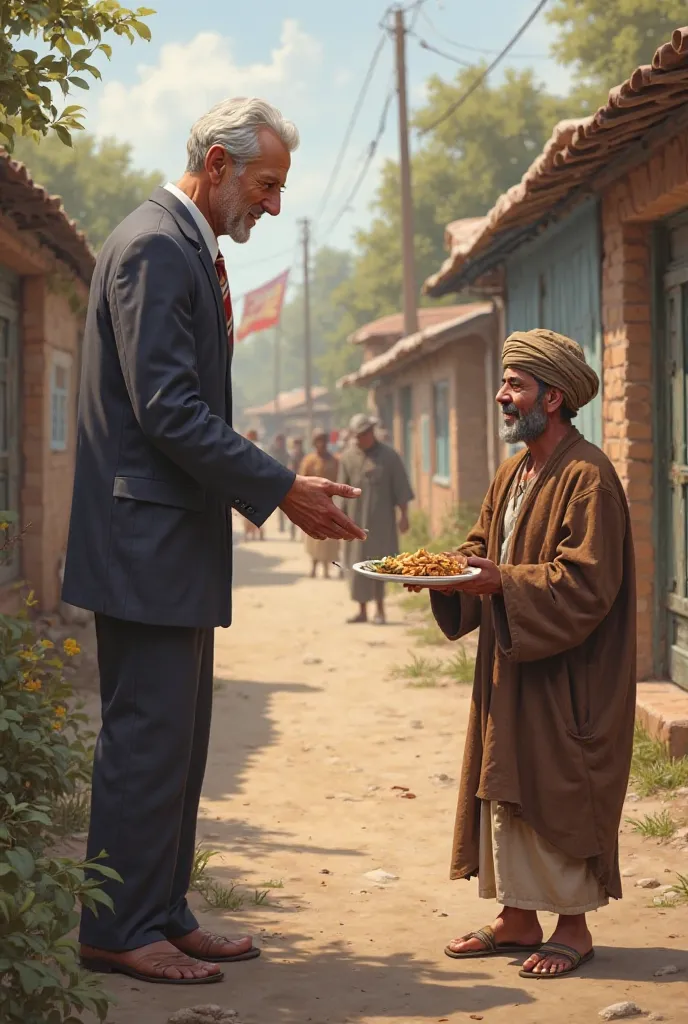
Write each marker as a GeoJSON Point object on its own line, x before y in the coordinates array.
{"type": "Point", "coordinates": [226, 297]}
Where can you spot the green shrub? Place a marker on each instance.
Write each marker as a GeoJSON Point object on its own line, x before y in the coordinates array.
{"type": "Point", "coordinates": [44, 760]}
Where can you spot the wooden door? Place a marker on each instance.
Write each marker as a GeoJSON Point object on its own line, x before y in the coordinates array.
{"type": "Point", "coordinates": [674, 512]}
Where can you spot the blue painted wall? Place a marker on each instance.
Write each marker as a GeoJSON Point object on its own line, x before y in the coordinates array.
{"type": "Point", "coordinates": [554, 282]}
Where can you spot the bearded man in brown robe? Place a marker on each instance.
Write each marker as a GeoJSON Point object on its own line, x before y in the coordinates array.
{"type": "Point", "coordinates": [549, 743]}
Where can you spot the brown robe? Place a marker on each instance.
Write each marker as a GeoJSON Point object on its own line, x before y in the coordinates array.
{"type": "Point", "coordinates": [551, 724]}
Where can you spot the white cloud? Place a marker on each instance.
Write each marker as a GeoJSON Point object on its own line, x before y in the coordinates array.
{"type": "Point", "coordinates": [190, 77]}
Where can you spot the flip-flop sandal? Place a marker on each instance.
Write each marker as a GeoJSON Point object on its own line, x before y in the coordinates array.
{"type": "Point", "coordinates": [491, 948]}
{"type": "Point", "coordinates": [250, 954]}
{"type": "Point", "coordinates": [108, 967]}
{"type": "Point", "coordinates": [559, 949]}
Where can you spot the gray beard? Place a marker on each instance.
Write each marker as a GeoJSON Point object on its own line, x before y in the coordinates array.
{"type": "Point", "coordinates": [528, 427]}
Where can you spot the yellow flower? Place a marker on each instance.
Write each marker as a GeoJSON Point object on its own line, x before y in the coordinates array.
{"type": "Point", "coordinates": [60, 711]}
{"type": "Point", "coordinates": [33, 685]}
{"type": "Point", "coordinates": [27, 655]}
{"type": "Point", "coordinates": [71, 647]}
{"type": "Point", "coordinates": [57, 726]}
{"type": "Point", "coordinates": [4, 525]}
{"type": "Point", "coordinates": [47, 644]}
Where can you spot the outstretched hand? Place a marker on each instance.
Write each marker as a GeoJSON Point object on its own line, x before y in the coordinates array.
{"type": "Point", "coordinates": [309, 505]}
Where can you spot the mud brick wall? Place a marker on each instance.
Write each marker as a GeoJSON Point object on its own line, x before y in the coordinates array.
{"type": "Point", "coordinates": [630, 207]}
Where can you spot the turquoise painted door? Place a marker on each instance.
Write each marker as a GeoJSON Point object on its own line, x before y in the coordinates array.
{"type": "Point", "coordinates": [554, 282]}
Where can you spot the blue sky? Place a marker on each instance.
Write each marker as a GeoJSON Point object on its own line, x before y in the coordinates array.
{"type": "Point", "coordinates": [309, 58]}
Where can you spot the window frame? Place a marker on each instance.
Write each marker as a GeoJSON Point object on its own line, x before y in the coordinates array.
{"type": "Point", "coordinates": [60, 361]}
{"type": "Point", "coordinates": [443, 387]}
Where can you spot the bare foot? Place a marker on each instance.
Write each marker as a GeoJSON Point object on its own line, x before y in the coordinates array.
{"type": "Point", "coordinates": [512, 927]}
{"type": "Point", "coordinates": [570, 931]}
{"type": "Point", "coordinates": [210, 948]}
{"type": "Point", "coordinates": [159, 961]}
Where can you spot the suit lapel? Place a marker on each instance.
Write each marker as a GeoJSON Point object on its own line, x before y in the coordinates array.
{"type": "Point", "coordinates": [188, 228]}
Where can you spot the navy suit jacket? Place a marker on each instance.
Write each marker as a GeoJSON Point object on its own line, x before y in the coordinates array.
{"type": "Point", "coordinates": [158, 466]}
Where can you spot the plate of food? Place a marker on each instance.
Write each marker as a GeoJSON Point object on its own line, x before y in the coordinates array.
{"type": "Point", "coordinates": [420, 568]}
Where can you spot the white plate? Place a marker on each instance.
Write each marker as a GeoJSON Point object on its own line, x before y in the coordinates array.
{"type": "Point", "coordinates": [367, 569]}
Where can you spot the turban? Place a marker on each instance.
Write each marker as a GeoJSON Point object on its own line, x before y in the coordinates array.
{"type": "Point", "coordinates": [556, 360]}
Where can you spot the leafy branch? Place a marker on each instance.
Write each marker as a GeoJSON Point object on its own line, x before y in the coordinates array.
{"type": "Point", "coordinates": [72, 33]}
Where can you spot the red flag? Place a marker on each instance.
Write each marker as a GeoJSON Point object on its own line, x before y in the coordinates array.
{"type": "Point", "coordinates": [263, 307]}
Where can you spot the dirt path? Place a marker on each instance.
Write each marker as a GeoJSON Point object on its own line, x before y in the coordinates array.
{"type": "Point", "coordinates": [310, 736]}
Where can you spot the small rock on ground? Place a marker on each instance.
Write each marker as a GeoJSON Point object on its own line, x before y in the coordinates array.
{"type": "Point", "coordinates": [381, 876]}
{"type": "Point", "coordinates": [618, 1011]}
{"type": "Point", "coordinates": [664, 971]}
{"type": "Point", "coordinates": [208, 1014]}
{"type": "Point", "coordinates": [648, 883]}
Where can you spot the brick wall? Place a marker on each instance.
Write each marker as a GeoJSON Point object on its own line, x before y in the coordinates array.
{"type": "Point", "coordinates": [49, 322]}
{"type": "Point", "coordinates": [630, 205]}
{"type": "Point", "coordinates": [462, 364]}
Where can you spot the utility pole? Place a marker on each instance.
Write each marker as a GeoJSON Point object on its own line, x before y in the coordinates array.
{"type": "Point", "coordinates": [308, 369]}
{"type": "Point", "coordinates": [410, 297]}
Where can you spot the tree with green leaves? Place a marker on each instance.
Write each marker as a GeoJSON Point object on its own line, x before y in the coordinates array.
{"type": "Point", "coordinates": [459, 169]}
{"type": "Point", "coordinates": [603, 41]}
{"type": "Point", "coordinates": [72, 32]}
{"type": "Point", "coordinates": [95, 178]}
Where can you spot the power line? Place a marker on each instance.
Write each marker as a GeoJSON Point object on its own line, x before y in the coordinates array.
{"type": "Point", "coordinates": [266, 259]}
{"type": "Point", "coordinates": [370, 156]}
{"type": "Point", "coordinates": [477, 49]}
{"type": "Point", "coordinates": [481, 78]}
{"type": "Point", "coordinates": [350, 127]}
{"type": "Point", "coordinates": [372, 147]}
{"type": "Point", "coordinates": [449, 56]}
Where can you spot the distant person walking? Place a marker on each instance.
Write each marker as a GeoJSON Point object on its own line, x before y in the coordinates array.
{"type": "Point", "coordinates": [387, 489]}
{"type": "Point", "coordinates": [321, 462]}
{"type": "Point", "coordinates": [278, 451]}
{"type": "Point", "coordinates": [295, 460]}
{"type": "Point", "coordinates": [251, 531]}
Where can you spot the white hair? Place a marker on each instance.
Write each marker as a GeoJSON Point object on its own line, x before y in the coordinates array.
{"type": "Point", "coordinates": [234, 124]}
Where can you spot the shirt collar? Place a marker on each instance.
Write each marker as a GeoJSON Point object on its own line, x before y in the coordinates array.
{"type": "Point", "coordinates": [206, 232]}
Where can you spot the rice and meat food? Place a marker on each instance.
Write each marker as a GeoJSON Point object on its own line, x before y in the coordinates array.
{"type": "Point", "coordinates": [422, 563]}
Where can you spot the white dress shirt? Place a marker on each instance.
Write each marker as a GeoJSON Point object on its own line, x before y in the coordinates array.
{"type": "Point", "coordinates": [207, 233]}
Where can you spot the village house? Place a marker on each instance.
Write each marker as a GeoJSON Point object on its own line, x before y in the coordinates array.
{"type": "Point", "coordinates": [287, 414]}
{"type": "Point", "coordinates": [45, 268]}
{"type": "Point", "coordinates": [593, 242]}
{"type": "Point", "coordinates": [433, 392]}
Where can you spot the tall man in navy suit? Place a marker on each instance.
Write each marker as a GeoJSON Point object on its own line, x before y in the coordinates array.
{"type": "Point", "coordinates": [159, 470]}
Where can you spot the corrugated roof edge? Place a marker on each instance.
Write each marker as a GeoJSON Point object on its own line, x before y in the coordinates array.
{"type": "Point", "coordinates": [576, 150]}
{"type": "Point", "coordinates": [48, 218]}
{"type": "Point", "coordinates": [414, 344]}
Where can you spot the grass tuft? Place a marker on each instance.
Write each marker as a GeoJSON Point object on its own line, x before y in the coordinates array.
{"type": "Point", "coordinates": [419, 671]}
{"type": "Point", "coordinates": [461, 668]}
{"type": "Point", "coordinates": [652, 769]}
{"type": "Point", "coordinates": [654, 826]}
{"type": "Point", "coordinates": [428, 635]}
{"type": "Point", "coordinates": [71, 813]}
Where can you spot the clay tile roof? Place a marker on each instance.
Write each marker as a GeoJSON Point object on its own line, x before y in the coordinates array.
{"type": "Point", "coordinates": [391, 327]}
{"type": "Point", "coordinates": [429, 339]}
{"type": "Point", "coordinates": [32, 209]}
{"type": "Point", "coordinates": [288, 402]}
{"type": "Point", "coordinates": [577, 150]}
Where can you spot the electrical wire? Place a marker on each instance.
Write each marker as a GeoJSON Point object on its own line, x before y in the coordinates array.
{"type": "Point", "coordinates": [449, 56]}
{"type": "Point", "coordinates": [478, 49]}
{"type": "Point", "coordinates": [371, 149]}
{"type": "Point", "coordinates": [370, 156]}
{"type": "Point", "coordinates": [350, 127]}
{"type": "Point", "coordinates": [481, 78]}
